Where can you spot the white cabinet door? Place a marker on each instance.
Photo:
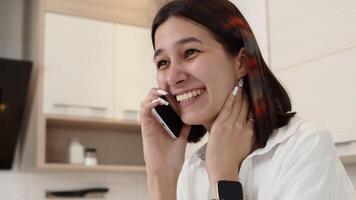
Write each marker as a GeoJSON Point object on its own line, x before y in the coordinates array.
{"type": "Point", "coordinates": [323, 92]}
{"type": "Point", "coordinates": [303, 31]}
{"type": "Point", "coordinates": [314, 55]}
{"type": "Point", "coordinates": [135, 70]}
{"type": "Point", "coordinates": [79, 66]}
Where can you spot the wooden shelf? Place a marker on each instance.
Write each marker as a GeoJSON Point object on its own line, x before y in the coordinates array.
{"type": "Point", "coordinates": [71, 167]}
{"type": "Point", "coordinates": [118, 143]}
{"type": "Point", "coordinates": [92, 122]}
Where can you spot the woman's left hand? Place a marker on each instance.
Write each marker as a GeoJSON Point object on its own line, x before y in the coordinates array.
{"type": "Point", "coordinates": [230, 139]}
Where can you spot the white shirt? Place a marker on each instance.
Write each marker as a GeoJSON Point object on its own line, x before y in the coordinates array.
{"type": "Point", "coordinates": [299, 162]}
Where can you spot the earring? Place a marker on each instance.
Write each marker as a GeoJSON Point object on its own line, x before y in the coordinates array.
{"type": "Point", "coordinates": [241, 83]}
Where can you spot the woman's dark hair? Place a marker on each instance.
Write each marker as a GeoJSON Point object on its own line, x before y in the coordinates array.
{"type": "Point", "coordinates": [270, 103]}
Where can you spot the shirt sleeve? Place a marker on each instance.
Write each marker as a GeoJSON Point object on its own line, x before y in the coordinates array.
{"type": "Point", "coordinates": [313, 171]}
{"type": "Point", "coordinates": [181, 190]}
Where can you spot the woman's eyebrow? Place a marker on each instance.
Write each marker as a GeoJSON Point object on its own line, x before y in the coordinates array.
{"type": "Point", "coordinates": [187, 40]}
{"type": "Point", "coordinates": [179, 42]}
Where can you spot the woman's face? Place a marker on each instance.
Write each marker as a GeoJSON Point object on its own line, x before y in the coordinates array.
{"type": "Point", "coordinates": [194, 68]}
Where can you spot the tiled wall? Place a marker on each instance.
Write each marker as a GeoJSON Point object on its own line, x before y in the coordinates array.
{"type": "Point", "coordinates": [32, 186]}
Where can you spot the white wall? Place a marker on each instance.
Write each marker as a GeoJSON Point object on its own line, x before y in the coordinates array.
{"type": "Point", "coordinates": [11, 28]}
{"type": "Point", "coordinates": [255, 13]}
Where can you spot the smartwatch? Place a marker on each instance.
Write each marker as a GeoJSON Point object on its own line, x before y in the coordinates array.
{"type": "Point", "coordinates": [226, 190]}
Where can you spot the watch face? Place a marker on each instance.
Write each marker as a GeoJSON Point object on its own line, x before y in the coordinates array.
{"type": "Point", "coordinates": [230, 190]}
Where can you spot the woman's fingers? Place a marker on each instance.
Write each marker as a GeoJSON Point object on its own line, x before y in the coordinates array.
{"type": "Point", "coordinates": [242, 117]}
{"type": "Point", "coordinates": [153, 99]}
{"type": "Point", "coordinates": [227, 107]}
{"type": "Point", "coordinates": [237, 105]}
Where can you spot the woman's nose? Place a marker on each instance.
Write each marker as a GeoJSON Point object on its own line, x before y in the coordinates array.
{"type": "Point", "coordinates": [176, 74]}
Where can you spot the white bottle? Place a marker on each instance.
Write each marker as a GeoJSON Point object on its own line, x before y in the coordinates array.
{"type": "Point", "coordinates": [76, 152]}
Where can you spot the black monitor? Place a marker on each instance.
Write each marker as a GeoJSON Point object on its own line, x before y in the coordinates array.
{"type": "Point", "coordinates": [14, 82]}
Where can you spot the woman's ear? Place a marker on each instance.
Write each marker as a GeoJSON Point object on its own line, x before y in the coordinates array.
{"type": "Point", "coordinates": [240, 64]}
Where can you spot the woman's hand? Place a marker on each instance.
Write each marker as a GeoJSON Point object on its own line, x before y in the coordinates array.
{"type": "Point", "coordinates": [163, 155]}
{"type": "Point", "coordinates": [230, 139]}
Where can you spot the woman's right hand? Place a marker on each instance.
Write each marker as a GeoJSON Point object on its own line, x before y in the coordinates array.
{"type": "Point", "coordinates": [164, 156]}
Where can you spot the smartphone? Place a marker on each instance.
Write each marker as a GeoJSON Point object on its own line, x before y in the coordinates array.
{"type": "Point", "coordinates": [169, 119]}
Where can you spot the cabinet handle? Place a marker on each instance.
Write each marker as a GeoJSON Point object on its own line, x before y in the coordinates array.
{"type": "Point", "coordinates": [343, 143]}
{"type": "Point", "coordinates": [131, 112]}
{"type": "Point", "coordinates": [62, 105]}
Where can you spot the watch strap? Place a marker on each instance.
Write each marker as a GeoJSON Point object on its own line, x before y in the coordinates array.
{"type": "Point", "coordinates": [213, 192]}
{"type": "Point", "coordinates": [226, 190]}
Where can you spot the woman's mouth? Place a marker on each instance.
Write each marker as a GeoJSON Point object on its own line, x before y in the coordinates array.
{"type": "Point", "coordinates": [189, 96]}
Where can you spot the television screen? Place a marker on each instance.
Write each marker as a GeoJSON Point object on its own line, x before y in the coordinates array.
{"type": "Point", "coordinates": [14, 81]}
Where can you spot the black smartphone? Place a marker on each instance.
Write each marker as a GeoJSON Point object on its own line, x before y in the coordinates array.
{"type": "Point", "coordinates": [169, 119]}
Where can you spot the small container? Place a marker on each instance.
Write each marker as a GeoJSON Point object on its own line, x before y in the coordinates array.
{"type": "Point", "coordinates": [90, 158]}
{"type": "Point", "coordinates": [76, 152]}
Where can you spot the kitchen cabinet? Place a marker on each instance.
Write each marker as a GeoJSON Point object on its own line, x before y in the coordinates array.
{"type": "Point", "coordinates": [323, 29]}
{"type": "Point", "coordinates": [91, 75]}
{"type": "Point", "coordinates": [135, 70]}
{"type": "Point", "coordinates": [78, 66]}
{"type": "Point", "coordinates": [314, 56]}
{"type": "Point", "coordinates": [133, 12]}
{"type": "Point", "coordinates": [95, 72]}
{"type": "Point", "coordinates": [96, 69]}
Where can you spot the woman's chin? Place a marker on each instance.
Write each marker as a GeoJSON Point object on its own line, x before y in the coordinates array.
{"type": "Point", "coordinates": [193, 119]}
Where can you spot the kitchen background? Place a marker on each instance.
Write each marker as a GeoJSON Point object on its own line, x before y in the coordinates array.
{"type": "Point", "coordinates": [93, 65]}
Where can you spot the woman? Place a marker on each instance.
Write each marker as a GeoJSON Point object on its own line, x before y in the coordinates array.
{"type": "Point", "coordinates": [257, 148]}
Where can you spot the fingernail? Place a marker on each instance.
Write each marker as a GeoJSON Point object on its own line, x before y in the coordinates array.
{"type": "Point", "coordinates": [162, 92]}
{"type": "Point", "coordinates": [164, 101]}
{"type": "Point", "coordinates": [156, 100]}
{"type": "Point", "coordinates": [234, 92]}
{"type": "Point", "coordinates": [161, 100]}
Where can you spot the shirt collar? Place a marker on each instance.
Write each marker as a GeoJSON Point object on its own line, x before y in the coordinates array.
{"type": "Point", "coordinates": [278, 136]}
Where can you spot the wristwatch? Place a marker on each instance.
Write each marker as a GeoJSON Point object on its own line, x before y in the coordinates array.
{"type": "Point", "coordinates": [226, 190]}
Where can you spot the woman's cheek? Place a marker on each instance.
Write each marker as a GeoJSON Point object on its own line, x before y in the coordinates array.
{"type": "Point", "coordinates": [160, 80]}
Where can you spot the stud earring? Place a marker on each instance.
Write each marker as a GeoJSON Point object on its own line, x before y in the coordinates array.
{"type": "Point", "coordinates": [241, 83]}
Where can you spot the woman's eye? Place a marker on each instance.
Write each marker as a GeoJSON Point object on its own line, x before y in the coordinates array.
{"type": "Point", "coordinates": [188, 53]}
{"type": "Point", "coordinates": [161, 63]}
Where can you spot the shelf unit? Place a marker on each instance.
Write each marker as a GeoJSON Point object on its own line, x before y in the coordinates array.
{"type": "Point", "coordinates": [118, 143]}
{"type": "Point", "coordinates": [45, 146]}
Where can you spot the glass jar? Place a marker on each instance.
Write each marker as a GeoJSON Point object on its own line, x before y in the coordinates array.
{"type": "Point", "coordinates": [90, 158]}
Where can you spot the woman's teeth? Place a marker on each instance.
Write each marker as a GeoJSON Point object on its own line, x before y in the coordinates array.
{"type": "Point", "coordinates": [189, 95]}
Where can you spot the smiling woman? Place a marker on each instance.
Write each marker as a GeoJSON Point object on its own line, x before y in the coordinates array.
{"type": "Point", "coordinates": [208, 59]}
